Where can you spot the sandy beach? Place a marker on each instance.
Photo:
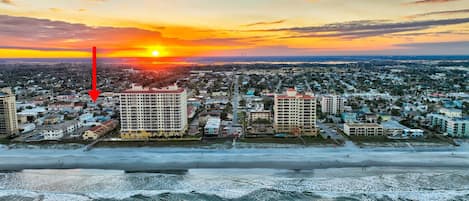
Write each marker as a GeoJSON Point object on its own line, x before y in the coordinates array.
{"type": "Point", "coordinates": [170, 158]}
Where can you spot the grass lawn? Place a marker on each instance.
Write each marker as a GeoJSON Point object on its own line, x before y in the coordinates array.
{"type": "Point", "coordinates": [291, 140]}
{"type": "Point", "coordinates": [148, 143]}
{"type": "Point", "coordinates": [4, 141]}
{"type": "Point", "coordinates": [383, 139]}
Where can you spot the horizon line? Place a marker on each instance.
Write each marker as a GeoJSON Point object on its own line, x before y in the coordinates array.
{"type": "Point", "coordinates": [254, 56]}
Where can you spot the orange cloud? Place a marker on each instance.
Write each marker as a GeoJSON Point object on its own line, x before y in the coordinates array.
{"type": "Point", "coordinates": [10, 2]}
{"type": "Point", "coordinates": [62, 36]}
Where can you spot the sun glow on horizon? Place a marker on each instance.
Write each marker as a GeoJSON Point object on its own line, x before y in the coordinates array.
{"type": "Point", "coordinates": [225, 28]}
{"type": "Point", "coordinates": [155, 53]}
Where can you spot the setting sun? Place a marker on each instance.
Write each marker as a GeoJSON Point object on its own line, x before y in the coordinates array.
{"type": "Point", "coordinates": [155, 53]}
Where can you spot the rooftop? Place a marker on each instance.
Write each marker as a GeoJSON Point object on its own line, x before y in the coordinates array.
{"type": "Point", "coordinates": [5, 91]}
{"type": "Point", "coordinates": [213, 123]}
{"type": "Point", "coordinates": [450, 109]}
{"type": "Point", "coordinates": [259, 111]}
{"type": "Point", "coordinates": [465, 118]}
{"type": "Point", "coordinates": [140, 89]}
{"type": "Point", "coordinates": [61, 126]}
{"type": "Point", "coordinates": [106, 123]}
{"type": "Point", "coordinates": [362, 124]}
{"type": "Point", "coordinates": [393, 124]}
{"type": "Point", "coordinates": [292, 93]}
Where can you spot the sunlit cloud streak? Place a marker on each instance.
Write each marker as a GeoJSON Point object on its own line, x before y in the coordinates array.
{"type": "Point", "coordinates": [430, 1]}
{"type": "Point", "coordinates": [368, 28]}
{"type": "Point", "coordinates": [446, 12]}
{"type": "Point", "coordinates": [265, 23]}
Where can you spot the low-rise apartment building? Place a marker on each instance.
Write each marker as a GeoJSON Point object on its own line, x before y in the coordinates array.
{"type": "Point", "coordinates": [363, 129]}
{"type": "Point", "coordinates": [212, 127]}
{"type": "Point", "coordinates": [58, 131]}
{"type": "Point", "coordinates": [99, 130]}
{"type": "Point", "coordinates": [256, 115]}
{"type": "Point", "coordinates": [451, 112]}
{"type": "Point", "coordinates": [453, 126]}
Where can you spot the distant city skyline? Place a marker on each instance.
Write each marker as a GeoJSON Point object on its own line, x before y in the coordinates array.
{"type": "Point", "coordinates": [208, 28]}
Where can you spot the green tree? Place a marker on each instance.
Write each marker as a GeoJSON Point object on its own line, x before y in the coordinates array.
{"type": "Point", "coordinates": [395, 112]}
{"type": "Point", "coordinates": [242, 102]}
{"type": "Point", "coordinates": [465, 108]}
{"type": "Point", "coordinates": [268, 103]}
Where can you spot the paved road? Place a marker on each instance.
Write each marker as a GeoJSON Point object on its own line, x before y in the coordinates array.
{"type": "Point", "coordinates": [277, 89]}
{"type": "Point", "coordinates": [235, 101]}
{"type": "Point", "coordinates": [307, 84]}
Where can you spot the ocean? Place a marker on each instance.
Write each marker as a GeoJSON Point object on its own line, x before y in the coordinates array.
{"type": "Point", "coordinates": [434, 174]}
{"type": "Point", "coordinates": [238, 185]}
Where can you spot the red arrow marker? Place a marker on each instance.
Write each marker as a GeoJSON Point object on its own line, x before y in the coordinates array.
{"type": "Point", "coordinates": [93, 93]}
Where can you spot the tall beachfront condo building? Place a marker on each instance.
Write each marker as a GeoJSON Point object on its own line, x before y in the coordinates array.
{"type": "Point", "coordinates": [158, 111]}
{"type": "Point", "coordinates": [332, 104]}
{"type": "Point", "coordinates": [295, 113]}
{"type": "Point", "coordinates": [8, 119]}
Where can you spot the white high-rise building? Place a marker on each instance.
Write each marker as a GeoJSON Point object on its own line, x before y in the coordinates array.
{"type": "Point", "coordinates": [295, 113]}
{"type": "Point", "coordinates": [332, 104]}
{"type": "Point", "coordinates": [161, 112]}
{"type": "Point", "coordinates": [8, 119]}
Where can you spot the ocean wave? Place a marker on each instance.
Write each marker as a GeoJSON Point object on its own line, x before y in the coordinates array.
{"type": "Point", "coordinates": [391, 184]}
{"type": "Point", "coordinates": [258, 195]}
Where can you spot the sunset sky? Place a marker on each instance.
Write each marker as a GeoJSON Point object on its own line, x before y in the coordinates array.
{"type": "Point", "coordinates": [192, 28]}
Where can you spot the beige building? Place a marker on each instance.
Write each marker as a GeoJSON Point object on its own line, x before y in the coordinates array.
{"type": "Point", "coordinates": [8, 118]}
{"type": "Point", "coordinates": [99, 130]}
{"type": "Point", "coordinates": [363, 129]}
{"type": "Point", "coordinates": [295, 113]}
{"type": "Point", "coordinates": [332, 104]}
{"type": "Point", "coordinates": [255, 115]}
{"type": "Point", "coordinates": [161, 112]}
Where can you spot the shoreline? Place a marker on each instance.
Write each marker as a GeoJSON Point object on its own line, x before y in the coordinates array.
{"type": "Point", "coordinates": [182, 167]}
{"type": "Point", "coordinates": [403, 146]}
{"type": "Point", "coordinates": [228, 143]}
{"type": "Point", "coordinates": [183, 158]}
{"type": "Point", "coordinates": [207, 142]}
